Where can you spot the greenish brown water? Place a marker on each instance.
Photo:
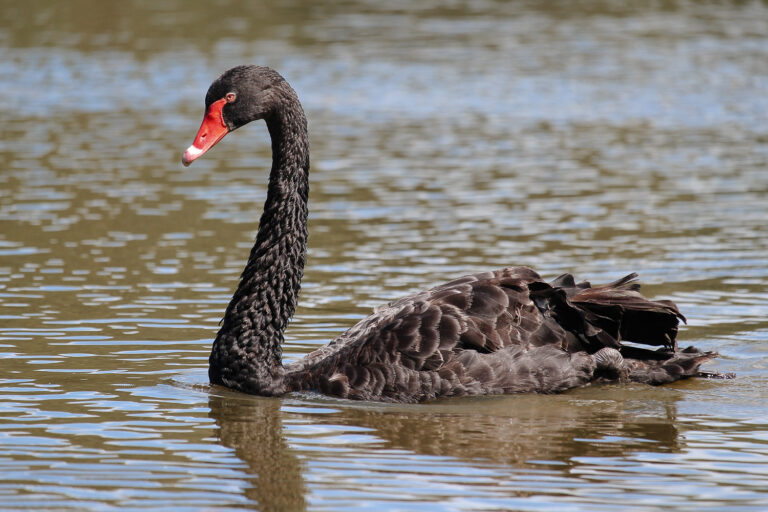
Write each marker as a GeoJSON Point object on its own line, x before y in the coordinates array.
{"type": "Point", "coordinates": [591, 137]}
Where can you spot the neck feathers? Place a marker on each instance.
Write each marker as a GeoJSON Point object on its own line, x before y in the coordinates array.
{"type": "Point", "coordinates": [247, 352]}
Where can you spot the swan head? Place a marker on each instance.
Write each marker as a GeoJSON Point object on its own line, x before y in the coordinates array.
{"type": "Point", "coordinates": [240, 95]}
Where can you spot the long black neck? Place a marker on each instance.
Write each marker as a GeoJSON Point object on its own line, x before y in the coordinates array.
{"type": "Point", "coordinates": [247, 352]}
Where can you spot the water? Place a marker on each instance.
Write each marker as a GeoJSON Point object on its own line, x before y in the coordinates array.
{"type": "Point", "coordinates": [446, 138]}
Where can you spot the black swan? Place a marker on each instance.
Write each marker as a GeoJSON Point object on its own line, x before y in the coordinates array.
{"type": "Point", "coordinates": [502, 331]}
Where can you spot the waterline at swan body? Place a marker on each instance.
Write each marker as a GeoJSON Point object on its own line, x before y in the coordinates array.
{"type": "Point", "coordinates": [501, 331]}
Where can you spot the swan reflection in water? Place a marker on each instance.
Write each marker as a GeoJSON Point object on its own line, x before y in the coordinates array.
{"type": "Point", "coordinates": [520, 433]}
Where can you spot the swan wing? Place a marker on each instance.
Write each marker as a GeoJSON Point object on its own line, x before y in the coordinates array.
{"type": "Point", "coordinates": [492, 332]}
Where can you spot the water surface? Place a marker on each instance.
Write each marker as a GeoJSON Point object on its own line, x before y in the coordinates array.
{"type": "Point", "coordinates": [596, 138]}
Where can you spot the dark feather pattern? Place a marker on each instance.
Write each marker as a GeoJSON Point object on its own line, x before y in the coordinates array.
{"type": "Point", "coordinates": [505, 331]}
{"type": "Point", "coordinates": [498, 332]}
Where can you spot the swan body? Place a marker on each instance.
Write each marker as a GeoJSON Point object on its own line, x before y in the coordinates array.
{"type": "Point", "coordinates": [502, 331]}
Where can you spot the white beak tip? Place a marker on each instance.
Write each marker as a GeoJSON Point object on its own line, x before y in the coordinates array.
{"type": "Point", "coordinates": [190, 155]}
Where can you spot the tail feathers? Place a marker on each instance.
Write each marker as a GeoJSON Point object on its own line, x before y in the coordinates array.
{"type": "Point", "coordinates": [620, 313]}
{"type": "Point", "coordinates": [638, 319]}
{"type": "Point", "coordinates": [569, 284]}
{"type": "Point", "coordinates": [603, 316]}
{"type": "Point", "coordinates": [662, 366]}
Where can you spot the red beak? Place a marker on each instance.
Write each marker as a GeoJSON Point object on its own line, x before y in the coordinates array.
{"type": "Point", "coordinates": [211, 131]}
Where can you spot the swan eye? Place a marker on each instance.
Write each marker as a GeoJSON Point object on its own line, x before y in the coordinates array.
{"type": "Point", "coordinates": [230, 97]}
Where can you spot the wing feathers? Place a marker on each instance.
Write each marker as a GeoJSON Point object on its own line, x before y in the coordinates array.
{"type": "Point", "coordinates": [500, 332]}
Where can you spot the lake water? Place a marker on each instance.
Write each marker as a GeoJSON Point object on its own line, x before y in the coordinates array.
{"type": "Point", "coordinates": [447, 137]}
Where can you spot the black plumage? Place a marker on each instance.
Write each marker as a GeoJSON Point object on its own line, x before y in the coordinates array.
{"type": "Point", "coordinates": [504, 331]}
